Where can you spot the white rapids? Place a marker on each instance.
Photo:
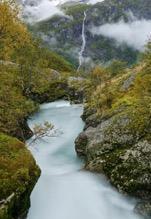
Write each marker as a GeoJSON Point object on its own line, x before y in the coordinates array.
{"type": "Point", "coordinates": [64, 190]}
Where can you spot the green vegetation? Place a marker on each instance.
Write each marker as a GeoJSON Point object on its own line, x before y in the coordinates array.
{"type": "Point", "coordinates": [101, 49]}
{"type": "Point", "coordinates": [76, 10]}
{"type": "Point", "coordinates": [14, 106]}
{"type": "Point", "coordinates": [19, 174]}
{"type": "Point", "coordinates": [116, 96]}
{"type": "Point", "coordinates": [27, 70]}
{"type": "Point", "coordinates": [118, 107]}
{"type": "Point", "coordinates": [29, 74]}
{"type": "Point", "coordinates": [115, 86]}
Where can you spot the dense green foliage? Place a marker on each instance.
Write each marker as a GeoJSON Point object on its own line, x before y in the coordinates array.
{"type": "Point", "coordinates": [17, 166]}
{"type": "Point", "coordinates": [76, 10]}
{"type": "Point", "coordinates": [26, 70]}
{"type": "Point", "coordinates": [14, 106]}
{"type": "Point", "coordinates": [115, 86]}
{"type": "Point", "coordinates": [19, 174]}
{"type": "Point", "coordinates": [29, 74]}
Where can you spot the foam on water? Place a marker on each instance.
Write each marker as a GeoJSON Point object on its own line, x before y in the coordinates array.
{"type": "Point", "coordinates": [54, 104]}
{"type": "Point", "coordinates": [64, 191]}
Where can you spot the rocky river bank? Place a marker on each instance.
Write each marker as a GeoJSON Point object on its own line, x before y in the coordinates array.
{"type": "Point", "coordinates": [118, 144]}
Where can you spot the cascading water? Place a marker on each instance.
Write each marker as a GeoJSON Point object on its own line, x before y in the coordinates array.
{"type": "Point", "coordinates": [64, 190]}
{"type": "Point", "coordinates": [81, 58]}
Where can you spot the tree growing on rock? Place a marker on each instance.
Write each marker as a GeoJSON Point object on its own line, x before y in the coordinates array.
{"type": "Point", "coordinates": [46, 129]}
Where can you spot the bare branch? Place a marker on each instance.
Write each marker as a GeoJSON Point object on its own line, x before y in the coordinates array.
{"type": "Point", "coordinates": [44, 130]}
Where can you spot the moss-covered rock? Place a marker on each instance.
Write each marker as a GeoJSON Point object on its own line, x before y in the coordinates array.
{"type": "Point", "coordinates": [144, 208]}
{"type": "Point", "coordinates": [81, 143]}
{"type": "Point", "coordinates": [117, 138]}
{"type": "Point", "coordinates": [19, 173]}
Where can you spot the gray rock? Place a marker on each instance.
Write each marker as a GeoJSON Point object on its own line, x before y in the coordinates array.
{"type": "Point", "coordinates": [144, 208]}
{"type": "Point", "coordinates": [128, 83]}
{"type": "Point", "coordinates": [121, 150]}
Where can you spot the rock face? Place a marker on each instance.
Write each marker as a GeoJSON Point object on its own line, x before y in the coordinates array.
{"type": "Point", "coordinates": [144, 208]}
{"type": "Point", "coordinates": [19, 173]}
{"type": "Point", "coordinates": [23, 132]}
{"type": "Point", "coordinates": [75, 89]}
{"type": "Point", "coordinates": [119, 146]}
{"type": "Point", "coordinates": [59, 88]}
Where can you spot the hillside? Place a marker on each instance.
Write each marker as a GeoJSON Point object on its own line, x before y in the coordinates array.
{"type": "Point", "coordinates": [116, 139]}
{"type": "Point", "coordinates": [29, 74]}
{"type": "Point", "coordinates": [63, 33]}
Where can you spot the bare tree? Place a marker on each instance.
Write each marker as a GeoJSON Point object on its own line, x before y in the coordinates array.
{"type": "Point", "coordinates": [44, 130]}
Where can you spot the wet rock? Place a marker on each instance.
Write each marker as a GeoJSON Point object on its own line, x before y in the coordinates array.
{"type": "Point", "coordinates": [87, 112]}
{"type": "Point", "coordinates": [81, 143]}
{"type": "Point", "coordinates": [92, 120]}
{"type": "Point", "coordinates": [23, 132]}
{"type": "Point", "coordinates": [144, 208]}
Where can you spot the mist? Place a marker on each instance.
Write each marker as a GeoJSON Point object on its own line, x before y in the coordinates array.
{"type": "Point", "coordinates": [135, 34]}
{"type": "Point", "coordinates": [38, 10]}
{"type": "Point", "coordinates": [94, 1]}
{"type": "Point", "coordinates": [34, 11]}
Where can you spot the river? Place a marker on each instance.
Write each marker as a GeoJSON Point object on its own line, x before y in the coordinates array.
{"type": "Point", "coordinates": [64, 190]}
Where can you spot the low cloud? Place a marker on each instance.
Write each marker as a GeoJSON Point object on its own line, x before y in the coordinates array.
{"type": "Point", "coordinates": [35, 11]}
{"type": "Point", "coordinates": [38, 10]}
{"type": "Point", "coordinates": [135, 34]}
{"type": "Point", "coordinates": [94, 1]}
{"type": "Point", "coordinates": [50, 40]}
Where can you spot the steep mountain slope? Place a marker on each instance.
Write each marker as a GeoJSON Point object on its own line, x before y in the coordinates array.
{"type": "Point", "coordinates": [63, 33]}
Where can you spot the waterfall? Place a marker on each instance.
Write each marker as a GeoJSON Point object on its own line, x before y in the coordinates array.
{"type": "Point", "coordinates": [81, 58]}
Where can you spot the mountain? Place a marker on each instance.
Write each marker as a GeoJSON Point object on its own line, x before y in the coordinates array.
{"type": "Point", "coordinates": [103, 27]}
